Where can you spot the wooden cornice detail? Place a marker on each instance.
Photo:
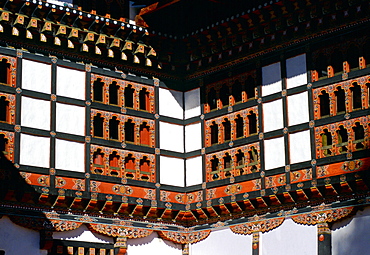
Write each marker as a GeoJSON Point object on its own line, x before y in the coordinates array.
{"type": "Point", "coordinates": [185, 237]}
{"type": "Point", "coordinates": [331, 215]}
{"type": "Point", "coordinates": [257, 226]}
{"type": "Point", "coordinates": [119, 231]}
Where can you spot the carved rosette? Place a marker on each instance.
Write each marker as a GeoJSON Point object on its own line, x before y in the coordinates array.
{"type": "Point", "coordinates": [258, 226]}
{"type": "Point", "coordinates": [185, 237]}
{"type": "Point", "coordinates": [118, 231]}
{"type": "Point", "coordinates": [314, 218]}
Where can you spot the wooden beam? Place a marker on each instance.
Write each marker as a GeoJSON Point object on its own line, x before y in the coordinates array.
{"type": "Point", "coordinates": [275, 200]}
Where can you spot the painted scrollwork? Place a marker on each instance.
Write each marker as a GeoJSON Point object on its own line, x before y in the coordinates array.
{"type": "Point", "coordinates": [258, 226]}
{"type": "Point", "coordinates": [314, 218]}
{"type": "Point", "coordinates": [185, 237]}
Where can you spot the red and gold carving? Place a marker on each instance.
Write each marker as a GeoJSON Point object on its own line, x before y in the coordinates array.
{"type": "Point", "coordinates": [301, 175]}
{"type": "Point", "coordinates": [138, 135]}
{"type": "Point", "coordinates": [246, 166]}
{"type": "Point", "coordinates": [275, 181]}
{"type": "Point", "coordinates": [351, 145]}
{"type": "Point", "coordinates": [185, 237]}
{"type": "Point", "coordinates": [118, 231]}
{"type": "Point", "coordinates": [342, 168]}
{"type": "Point", "coordinates": [258, 226]}
{"type": "Point", "coordinates": [11, 70]}
{"type": "Point", "coordinates": [69, 183]}
{"type": "Point", "coordinates": [10, 108]}
{"type": "Point", "coordinates": [314, 218]}
{"type": "Point", "coordinates": [137, 170]}
{"type": "Point", "coordinates": [9, 144]}
{"type": "Point", "coordinates": [116, 189]}
{"type": "Point", "coordinates": [233, 189]}
{"type": "Point", "coordinates": [122, 84]}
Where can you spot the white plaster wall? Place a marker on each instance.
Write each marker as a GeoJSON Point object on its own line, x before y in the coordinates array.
{"type": "Point", "coordinates": [152, 245]}
{"type": "Point", "coordinates": [171, 137]}
{"type": "Point", "coordinates": [271, 79]}
{"type": "Point", "coordinates": [192, 103]}
{"type": "Point", "coordinates": [296, 71]}
{"type": "Point", "coordinates": [71, 83]}
{"type": "Point", "coordinates": [82, 234]}
{"type": "Point", "coordinates": [36, 76]}
{"type": "Point", "coordinates": [171, 171]}
{"type": "Point", "coordinates": [298, 109]}
{"type": "Point", "coordinates": [35, 113]}
{"type": "Point", "coordinates": [171, 103]}
{"type": "Point", "coordinates": [194, 173]}
{"type": "Point", "coordinates": [272, 115]}
{"type": "Point", "coordinates": [70, 119]}
{"type": "Point", "coordinates": [274, 153]}
{"type": "Point", "coordinates": [193, 137]}
{"type": "Point", "coordinates": [352, 236]}
{"type": "Point", "coordinates": [69, 155]}
{"type": "Point", "coordinates": [35, 150]}
{"type": "Point", "coordinates": [289, 239]}
{"type": "Point", "coordinates": [299, 147]}
{"type": "Point", "coordinates": [16, 240]}
{"type": "Point", "coordinates": [223, 242]}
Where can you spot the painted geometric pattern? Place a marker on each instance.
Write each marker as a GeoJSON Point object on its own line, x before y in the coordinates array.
{"type": "Point", "coordinates": [122, 190]}
{"type": "Point", "coordinates": [343, 168]}
{"type": "Point", "coordinates": [10, 115]}
{"type": "Point", "coordinates": [12, 71]}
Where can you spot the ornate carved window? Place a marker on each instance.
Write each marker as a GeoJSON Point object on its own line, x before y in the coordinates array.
{"type": "Point", "coordinates": [250, 86]}
{"type": "Point", "coordinates": [129, 131]}
{"type": "Point", "coordinates": [227, 129]}
{"type": "Point", "coordinates": [144, 134]}
{"type": "Point", "coordinates": [130, 167]}
{"type": "Point", "coordinates": [129, 96]}
{"type": "Point", "coordinates": [252, 123]}
{"type": "Point", "coordinates": [4, 71]}
{"type": "Point", "coordinates": [353, 55]}
{"type": "Point", "coordinates": [114, 169]}
{"type": "Point", "coordinates": [359, 136]}
{"type": "Point", "coordinates": [337, 61]}
{"type": "Point", "coordinates": [4, 109]}
{"type": "Point", "coordinates": [227, 165]}
{"type": "Point", "coordinates": [342, 139]}
{"type": "Point", "coordinates": [356, 96]}
{"type": "Point", "coordinates": [3, 144]}
{"type": "Point", "coordinates": [324, 104]}
{"type": "Point", "coordinates": [144, 99]}
{"type": "Point", "coordinates": [113, 93]}
{"type": "Point", "coordinates": [239, 122]}
{"type": "Point", "coordinates": [98, 162]}
{"type": "Point", "coordinates": [214, 133]}
{"type": "Point", "coordinates": [114, 128]}
{"type": "Point", "coordinates": [252, 159]}
{"type": "Point", "coordinates": [98, 126]}
{"type": "Point", "coordinates": [240, 162]}
{"type": "Point", "coordinates": [214, 168]}
{"type": "Point", "coordinates": [98, 90]}
{"type": "Point", "coordinates": [326, 142]}
{"type": "Point", "coordinates": [340, 97]}
{"type": "Point", "coordinates": [144, 169]}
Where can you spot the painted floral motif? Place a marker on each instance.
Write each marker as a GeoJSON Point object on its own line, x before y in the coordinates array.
{"type": "Point", "coordinates": [122, 189]}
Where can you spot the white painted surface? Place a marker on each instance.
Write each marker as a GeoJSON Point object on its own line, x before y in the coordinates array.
{"type": "Point", "coordinates": [299, 147]}
{"type": "Point", "coordinates": [69, 155]}
{"type": "Point", "coordinates": [171, 137]}
{"type": "Point", "coordinates": [171, 103]}
{"type": "Point", "coordinates": [35, 150]}
{"type": "Point", "coordinates": [70, 119]}
{"type": "Point", "coordinates": [82, 234]}
{"type": "Point", "coordinates": [271, 79]}
{"type": "Point", "coordinates": [70, 83]}
{"type": "Point", "coordinates": [16, 240]}
{"type": "Point", "coordinates": [351, 236]}
{"type": "Point", "coordinates": [152, 245]}
{"type": "Point", "coordinates": [289, 239]}
{"type": "Point", "coordinates": [192, 103]}
{"type": "Point", "coordinates": [171, 171]}
{"type": "Point", "coordinates": [272, 115]}
{"type": "Point", "coordinates": [194, 173]}
{"type": "Point", "coordinates": [35, 113]}
{"type": "Point", "coordinates": [36, 76]}
{"type": "Point", "coordinates": [223, 242]}
{"type": "Point", "coordinates": [296, 71]}
{"type": "Point", "coordinates": [274, 153]}
{"type": "Point", "coordinates": [298, 109]}
{"type": "Point", "coordinates": [193, 137]}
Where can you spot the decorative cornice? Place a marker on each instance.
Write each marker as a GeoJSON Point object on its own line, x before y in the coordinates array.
{"type": "Point", "coordinates": [185, 237]}
{"type": "Point", "coordinates": [258, 226]}
{"type": "Point", "coordinates": [314, 218]}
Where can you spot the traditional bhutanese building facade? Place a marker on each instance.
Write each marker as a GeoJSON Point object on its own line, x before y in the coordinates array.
{"type": "Point", "coordinates": [250, 135]}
